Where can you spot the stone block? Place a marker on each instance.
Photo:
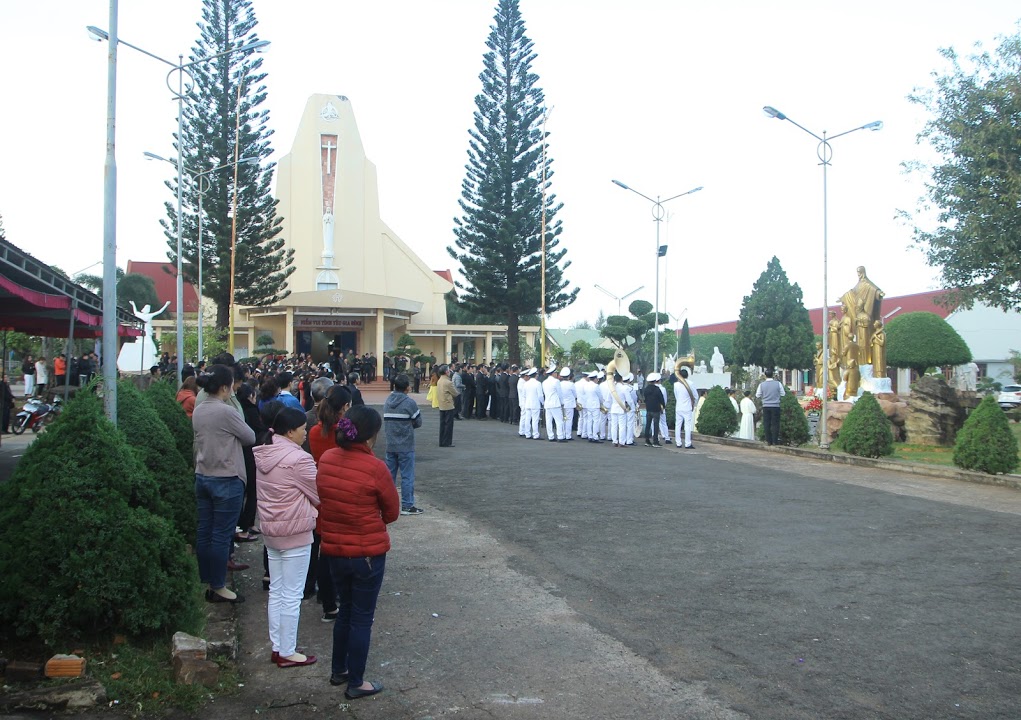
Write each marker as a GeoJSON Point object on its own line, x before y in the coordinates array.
{"type": "Point", "coordinates": [192, 671]}
{"type": "Point", "coordinates": [19, 671]}
{"type": "Point", "coordinates": [221, 638]}
{"type": "Point", "coordinates": [185, 645]}
{"type": "Point", "coordinates": [65, 666]}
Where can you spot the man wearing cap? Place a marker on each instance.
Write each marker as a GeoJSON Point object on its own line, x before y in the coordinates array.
{"type": "Point", "coordinates": [588, 394]}
{"type": "Point", "coordinates": [554, 406]}
{"type": "Point", "coordinates": [631, 414]}
{"type": "Point", "coordinates": [684, 396]}
{"type": "Point", "coordinates": [654, 403]}
{"type": "Point", "coordinates": [569, 398]}
{"type": "Point", "coordinates": [531, 404]}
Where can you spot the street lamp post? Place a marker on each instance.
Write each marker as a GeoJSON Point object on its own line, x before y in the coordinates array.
{"type": "Point", "coordinates": [181, 68]}
{"type": "Point", "coordinates": [620, 299]}
{"type": "Point", "coordinates": [657, 215]}
{"type": "Point", "coordinates": [202, 185]}
{"type": "Point", "coordinates": [825, 153]}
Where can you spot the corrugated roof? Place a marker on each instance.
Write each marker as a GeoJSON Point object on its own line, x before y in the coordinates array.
{"type": "Point", "coordinates": [164, 276]}
{"type": "Point", "coordinates": [892, 307]}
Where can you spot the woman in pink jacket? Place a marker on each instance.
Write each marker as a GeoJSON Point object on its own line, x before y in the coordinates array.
{"type": "Point", "coordinates": [287, 502]}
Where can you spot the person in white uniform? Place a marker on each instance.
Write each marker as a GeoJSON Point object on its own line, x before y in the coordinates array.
{"type": "Point", "coordinates": [554, 406]}
{"type": "Point", "coordinates": [532, 404]}
{"type": "Point", "coordinates": [603, 421]}
{"type": "Point", "coordinates": [523, 420]}
{"type": "Point", "coordinates": [569, 398]}
{"type": "Point", "coordinates": [685, 400]}
{"type": "Point", "coordinates": [591, 416]}
{"type": "Point", "coordinates": [664, 427]}
{"type": "Point", "coordinates": [618, 413]}
{"type": "Point", "coordinates": [630, 416]}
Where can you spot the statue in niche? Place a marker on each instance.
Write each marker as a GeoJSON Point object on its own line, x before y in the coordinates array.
{"type": "Point", "coordinates": [716, 361]}
{"type": "Point", "coordinates": [328, 224]}
{"type": "Point", "coordinates": [878, 349]}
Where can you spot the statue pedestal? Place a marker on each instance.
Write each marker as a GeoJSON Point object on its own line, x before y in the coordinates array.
{"type": "Point", "coordinates": [706, 381]}
{"type": "Point", "coordinates": [873, 384]}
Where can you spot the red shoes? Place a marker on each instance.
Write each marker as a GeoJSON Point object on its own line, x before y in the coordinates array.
{"type": "Point", "coordinates": [283, 662]}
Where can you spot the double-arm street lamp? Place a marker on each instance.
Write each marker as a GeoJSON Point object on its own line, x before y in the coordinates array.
{"type": "Point", "coordinates": [825, 154]}
{"type": "Point", "coordinates": [201, 180]}
{"type": "Point", "coordinates": [620, 299]}
{"type": "Point", "coordinates": [657, 215]}
{"type": "Point", "coordinates": [179, 70]}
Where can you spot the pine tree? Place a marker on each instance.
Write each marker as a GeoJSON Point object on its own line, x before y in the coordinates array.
{"type": "Point", "coordinates": [684, 344]}
{"type": "Point", "coordinates": [262, 263]}
{"type": "Point", "coordinates": [498, 237]}
{"type": "Point", "coordinates": [774, 330]}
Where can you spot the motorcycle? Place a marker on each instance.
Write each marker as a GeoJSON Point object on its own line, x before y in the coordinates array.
{"type": "Point", "coordinates": [35, 415]}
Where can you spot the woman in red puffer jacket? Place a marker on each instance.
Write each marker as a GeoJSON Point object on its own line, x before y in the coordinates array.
{"type": "Point", "coordinates": [358, 500]}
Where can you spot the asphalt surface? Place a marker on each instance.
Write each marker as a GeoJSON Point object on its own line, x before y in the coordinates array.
{"type": "Point", "coordinates": [569, 580]}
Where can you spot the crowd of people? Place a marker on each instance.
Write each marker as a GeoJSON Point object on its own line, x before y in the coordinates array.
{"type": "Point", "coordinates": [289, 457]}
{"type": "Point", "coordinates": [590, 406]}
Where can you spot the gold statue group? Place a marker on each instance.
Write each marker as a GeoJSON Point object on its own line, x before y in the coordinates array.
{"type": "Point", "coordinates": [856, 338]}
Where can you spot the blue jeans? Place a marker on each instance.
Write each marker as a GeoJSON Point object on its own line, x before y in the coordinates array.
{"type": "Point", "coordinates": [219, 501]}
{"type": "Point", "coordinates": [357, 581]}
{"type": "Point", "coordinates": [405, 461]}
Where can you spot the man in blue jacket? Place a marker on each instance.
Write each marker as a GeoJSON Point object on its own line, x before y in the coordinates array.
{"type": "Point", "coordinates": [400, 418]}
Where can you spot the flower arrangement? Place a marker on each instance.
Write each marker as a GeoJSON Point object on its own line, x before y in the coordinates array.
{"type": "Point", "coordinates": [813, 405]}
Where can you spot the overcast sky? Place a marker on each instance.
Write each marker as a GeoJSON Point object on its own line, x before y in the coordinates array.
{"type": "Point", "coordinates": [664, 95]}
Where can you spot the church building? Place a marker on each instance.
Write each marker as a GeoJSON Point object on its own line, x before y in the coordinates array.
{"type": "Point", "coordinates": [357, 286]}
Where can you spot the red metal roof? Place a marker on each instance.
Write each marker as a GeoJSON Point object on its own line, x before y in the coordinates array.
{"type": "Point", "coordinates": [445, 274]}
{"type": "Point", "coordinates": [164, 275]}
{"type": "Point", "coordinates": [892, 307]}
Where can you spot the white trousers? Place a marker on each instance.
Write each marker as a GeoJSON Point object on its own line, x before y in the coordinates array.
{"type": "Point", "coordinates": [664, 429]}
{"type": "Point", "coordinates": [523, 428]}
{"type": "Point", "coordinates": [555, 423]}
{"type": "Point", "coordinates": [618, 428]}
{"type": "Point", "coordinates": [29, 385]}
{"type": "Point", "coordinates": [287, 571]}
{"type": "Point", "coordinates": [629, 427]}
{"type": "Point", "coordinates": [569, 422]}
{"type": "Point", "coordinates": [683, 417]}
{"type": "Point", "coordinates": [531, 418]}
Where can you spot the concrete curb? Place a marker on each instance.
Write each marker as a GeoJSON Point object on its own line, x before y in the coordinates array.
{"type": "Point", "coordinates": [1010, 481]}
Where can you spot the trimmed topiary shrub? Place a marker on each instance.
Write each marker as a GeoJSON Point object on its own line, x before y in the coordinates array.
{"type": "Point", "coordinates": [866, 430]}
{"type": "Point", "coordinates": [985, 443]}
{"type": "Point", "coordinates": [793, 423]}
{"type": "Point", "coordinates": [717, 417]}
{"type": "Point", "coordinates": [164, 400]}
{"type": "Point", "coordinates": [151, 439]}
{"type": "Point", "coordinates": [86, 555]}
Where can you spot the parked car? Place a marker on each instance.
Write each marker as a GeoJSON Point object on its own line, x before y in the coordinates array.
{"type": "Point", "coordinates": [1010, 397]}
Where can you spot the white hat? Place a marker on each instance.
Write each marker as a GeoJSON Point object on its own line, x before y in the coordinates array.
{"type": "Point", "coordinates": [652, 377]}
{"type": "Point", "coordinates": [628, 378]}
{"type": "Point", "coordinates": [601, 374]}
{"type": "Point", "coordinates": [565, 372]}
{"type": "Point", "coordinates": [551, 369]}
{"type": "Point", "coordinates": [593, 374]}
{"type": "Point", "coordinates": [531, 371]}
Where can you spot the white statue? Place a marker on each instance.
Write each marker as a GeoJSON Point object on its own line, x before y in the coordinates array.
{"type": "Point", "coordinates": [700, 368]}
{"type": "Point", "coordinates": [716, 361]}
{"type": "Point", "coordinates": [140, 355]}
{"type": "Point", "coordinates": [328, 238]}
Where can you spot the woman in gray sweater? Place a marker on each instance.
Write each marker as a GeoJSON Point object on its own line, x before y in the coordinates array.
{"type": "Point", "coordinates": [220, 476]}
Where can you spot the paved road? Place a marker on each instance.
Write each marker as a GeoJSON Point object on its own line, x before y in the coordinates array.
{"type": "Point", "coordinates": [792, 588]}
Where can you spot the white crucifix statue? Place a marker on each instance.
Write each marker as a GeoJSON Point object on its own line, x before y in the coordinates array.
{"type": "Point", "coordinates": [329, 147]}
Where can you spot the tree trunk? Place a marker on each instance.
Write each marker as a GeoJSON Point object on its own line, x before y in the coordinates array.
{"type": "Point", "coordinates": [222, 316]}
{"type": "Point", "coordinates": [513, 339]}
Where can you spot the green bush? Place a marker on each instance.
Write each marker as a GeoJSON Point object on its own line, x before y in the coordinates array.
{"type": "Point", "coordinates": [150, 437]}
{"type": "Point", "coordinates": [88, 554]}
{"type": "Point", "coordinates": [866, 430]}
{"type": "Point", "coordinates": [985, 443]}
{"type": "Point", "coordinates": [793, 422]}
{"type": "Point", "coordinates": [920, 340]}
{"type": "Point", "coordinates": [717, 417]}
{"type": "Point", "coordinates": [163, 397]}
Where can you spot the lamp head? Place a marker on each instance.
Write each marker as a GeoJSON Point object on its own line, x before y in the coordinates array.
{"type": "Point", "coordinates": [262, 46]}
{"type": "Point", "coordinates": [773, 112]}
{"type": "Point", "coordinates": [620, 184]}
{"type": "Point", "coordinates": [154, 156]}
{"type": "Point", "coordinates": [662, 251]}
{"type": "Point", "coordinates": [97, 34]}
{"type": "Point", "coordinates": [877, 125]}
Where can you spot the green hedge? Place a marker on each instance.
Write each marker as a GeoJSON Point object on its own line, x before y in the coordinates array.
{"type": "Point", "coordinates": [163, 397]}
{"type": "Point", "coordinates": [87, 551]}
{"type": "Point", "coordinates": [717, 416]}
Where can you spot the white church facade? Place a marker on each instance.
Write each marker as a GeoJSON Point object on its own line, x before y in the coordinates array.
{"type": "Point", "coordinates": [357, 286]}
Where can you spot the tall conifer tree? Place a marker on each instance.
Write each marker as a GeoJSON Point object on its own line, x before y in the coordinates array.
{"type": "Point", "coordinates": [774, 329]}
{"type": "Point", "coordinates": [262, 263]}
{"type": "Point", "coordinates": [498, 237]}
